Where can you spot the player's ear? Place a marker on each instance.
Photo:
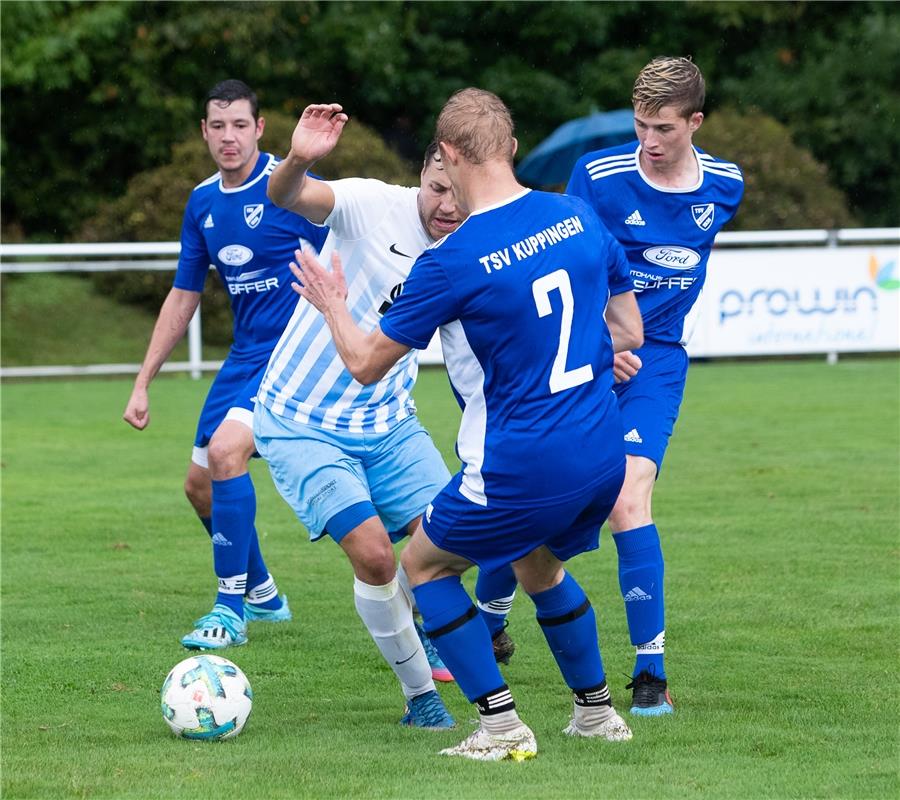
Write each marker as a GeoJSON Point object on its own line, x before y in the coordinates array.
{"type": "Point", "coordinates": [203, 129]}
{"type": "Point", "coordinates": [515, 147]}
{"type": "Point", "coordinates": [260, 127]}
{"type": "Point", "coordinates": [695, 121]}
{"type": "Point", "coordinates": [448, 153]}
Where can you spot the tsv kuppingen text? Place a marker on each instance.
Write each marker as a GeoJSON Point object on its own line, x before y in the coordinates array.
{"type": "Point", "coordinates": [537, 242]}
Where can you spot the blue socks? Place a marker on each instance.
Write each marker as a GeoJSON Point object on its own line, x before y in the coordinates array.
{"type": "Point", "coordinates": [460, 636]}
{"type": "Point", "coordinates": [570, 628]}
{"type": "Point", "coordinates": [641, 581]}
{"type": "Point", "coordinates": [261, 588]}
{"type": "Point", "coordinates": [233, 515]}
{"type": "Point", "coordinates": [494, 593]}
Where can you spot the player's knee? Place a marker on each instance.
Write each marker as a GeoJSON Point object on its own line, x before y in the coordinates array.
{"type": "Point", "coordinates": [226, 458]}
{"type": "Point", "coordinates": [378, 569]}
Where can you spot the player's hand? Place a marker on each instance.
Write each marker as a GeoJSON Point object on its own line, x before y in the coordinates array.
{"type": "Point", "coordinates": [625, 366]}
{"type": "Point", "coordinates": [137, 412]}
{"type": "Point", "coordinates": [317, 131]}
{"type": "Point", "coordinates": [325, 290]}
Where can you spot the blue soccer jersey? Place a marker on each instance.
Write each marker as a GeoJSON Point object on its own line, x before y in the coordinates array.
{"type": "Point", "coordinates": [519, 292]}
{"type": "Point", "coordinates": [250, 241]}
{"type": "Point", "coordinates": [667, 233]}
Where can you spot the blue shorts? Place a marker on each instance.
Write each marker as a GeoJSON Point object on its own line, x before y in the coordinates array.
{"type": "Point", "coordinates": [322, 473]}
{"type": "Point", "coordinates": [231, 396]}
{"type": "Point", "coordinates": [492, 537]}
{"type": "Point", "coordinates": [649, 402]}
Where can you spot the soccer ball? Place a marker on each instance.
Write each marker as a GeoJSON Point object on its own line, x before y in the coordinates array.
{"type": "Point", "coordinates": [206, 697]}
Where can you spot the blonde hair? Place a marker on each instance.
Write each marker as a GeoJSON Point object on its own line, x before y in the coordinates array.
{"type": "Point", "coordinates": [668, 81]}
{"type": "Point", "coordinates": [478, 124]}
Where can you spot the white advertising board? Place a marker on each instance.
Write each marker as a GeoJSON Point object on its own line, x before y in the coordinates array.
{"type": "Point", "coordinates": [781, 301]}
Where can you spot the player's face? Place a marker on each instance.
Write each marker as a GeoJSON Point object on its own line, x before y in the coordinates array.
{"type": "Point", "coordinates": [232, 135]}
{"type": "Point", "coordinates": [665, 137]}
{"type": "Point", "coordinates": [437, 204]}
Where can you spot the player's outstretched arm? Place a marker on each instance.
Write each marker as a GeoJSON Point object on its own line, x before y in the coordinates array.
{"type": "Point", "coordinates": [171, 325]}
{"type": "Point", "coordinates": [315, 136]}
{"type": "Point", "coordinates": [368, 357]}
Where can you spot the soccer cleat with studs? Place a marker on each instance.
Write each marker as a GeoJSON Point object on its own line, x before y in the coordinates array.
{"type": "Point", "coordinates": [504, 646]}
{"type": "Point", "coordinates": [517, 745]}
{"type": "Point", "coordinates": [613, 729]}
{"type": "Point", "coordinates": [217, 630]}
{"type": "Point", "coordinates": [427, 711]}
{"type": "Point", "coordinates": [650, 695]}
{"type": "Point", "coordinates": [254, 613]}
{"type": "Point", "coordinates": [439, 671]}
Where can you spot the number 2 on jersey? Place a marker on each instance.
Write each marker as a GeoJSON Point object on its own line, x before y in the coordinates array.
{"type": "Point", "coordinates": [560, 377]}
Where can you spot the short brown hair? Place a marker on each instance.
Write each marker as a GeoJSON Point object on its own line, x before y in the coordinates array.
{"type": "Point", "coordinates": [668, 81]}
{"type": "Point", "coordinates": [478, 124]}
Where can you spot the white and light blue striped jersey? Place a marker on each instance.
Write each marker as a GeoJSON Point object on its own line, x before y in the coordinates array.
{"type": "Point", "coordinates": [377, 230]}
{"type": "Point", "coordinates": [667, 233]}
{"type": "Point", "coordinates": [250, 241]}
{"type": "Point", "coordinates": [519, 291]}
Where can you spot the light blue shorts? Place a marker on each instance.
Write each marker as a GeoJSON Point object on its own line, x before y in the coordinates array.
{"type": "Point", "coordinates": [322, 473]}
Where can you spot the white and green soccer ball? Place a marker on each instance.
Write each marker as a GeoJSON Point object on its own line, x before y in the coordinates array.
{"type": "Point", "coordinates": [206, 697]}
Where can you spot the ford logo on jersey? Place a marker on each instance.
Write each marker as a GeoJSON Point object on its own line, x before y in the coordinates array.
{"type": "Point", "coordinates": [672, 257]}
{"type": "Point", "coordinates": [235, 254]}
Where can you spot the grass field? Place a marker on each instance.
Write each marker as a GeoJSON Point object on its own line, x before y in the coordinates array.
{"type": "Point", "coordinates": [778, 510]}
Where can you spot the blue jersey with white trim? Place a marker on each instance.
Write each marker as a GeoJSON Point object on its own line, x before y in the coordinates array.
{"type": "Point", "coordinates": [250, 241]}
{"type": "Point", "coordinates": [519, 291]}
{"type": "Point", "coordinates": [667, 233]}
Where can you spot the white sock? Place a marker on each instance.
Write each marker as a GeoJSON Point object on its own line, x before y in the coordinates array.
{"type": "Point", "coordinates": [387, 615]}
{"type": "Point", "coordinates": [403, 580]}
{"type": "Point", "coordinates": [498, 724]}
{"type": "Point", "coordinates": [264, 592]}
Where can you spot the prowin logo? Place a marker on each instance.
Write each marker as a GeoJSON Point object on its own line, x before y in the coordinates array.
{"type": "Point", "coordinates": [884, 275]}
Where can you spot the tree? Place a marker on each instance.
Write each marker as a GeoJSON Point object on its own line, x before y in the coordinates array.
{"type": "Point", "coordinates": [152, 207]}
{"type": "Point", "coordinates": [95, 93]}
{"type": "Point", "coordinates": [784, 186]}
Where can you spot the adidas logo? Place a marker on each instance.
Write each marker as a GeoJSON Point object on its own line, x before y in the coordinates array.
{"type": "Point", "coordinates": [219, 539]}
{"type": "Point", "coordinates": [633, 436]}
{"type": "Point", "coordinates": [635, 218]}
{"type": "Point", "coordinates": [637, 593]}
{"type": "Point", "coordinates": [208, 223]}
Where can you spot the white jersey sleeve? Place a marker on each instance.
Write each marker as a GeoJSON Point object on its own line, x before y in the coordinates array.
{"type": "Point", "coordinates": [362, 205]}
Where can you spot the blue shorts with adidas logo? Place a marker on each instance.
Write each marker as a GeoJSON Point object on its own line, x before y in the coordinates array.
{"type": "Point", "coordinates": [649, 402]}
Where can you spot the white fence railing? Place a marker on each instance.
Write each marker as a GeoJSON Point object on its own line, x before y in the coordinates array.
{"type": "Point", "coordinates": [746, 293]}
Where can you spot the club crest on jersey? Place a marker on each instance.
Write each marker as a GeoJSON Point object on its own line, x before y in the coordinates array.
{"type": "Point", "coordinates": [253, 214]}
{"type": "Point", "coordinates": [704, 214]}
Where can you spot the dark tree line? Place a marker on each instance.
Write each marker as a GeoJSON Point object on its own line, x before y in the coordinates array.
{"type": "Point", "coordinates": [95, 93]}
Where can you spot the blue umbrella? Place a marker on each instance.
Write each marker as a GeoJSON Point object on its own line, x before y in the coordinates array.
{"type": "Point", "coordinates": [552, 160]}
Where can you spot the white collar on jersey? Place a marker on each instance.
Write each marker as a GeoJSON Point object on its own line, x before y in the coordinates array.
{"type": "Point", "coordinates": [672, 189]}
{"type": "Point", "coordinates": [501, 203]}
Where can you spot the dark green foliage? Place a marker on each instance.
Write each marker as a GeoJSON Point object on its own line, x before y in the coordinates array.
{"type": "Point", "coordinates": [784, 186]}
{"type": "Point", "coordinates": [152, 206]}
{"type": "Point", "coordinates": [94, 93]}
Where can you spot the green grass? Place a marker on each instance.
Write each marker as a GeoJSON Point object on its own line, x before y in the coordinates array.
{"type": "Point", "coordinates": [54, 319]}
{"type": "Point", "coordinates": [778, 510]}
